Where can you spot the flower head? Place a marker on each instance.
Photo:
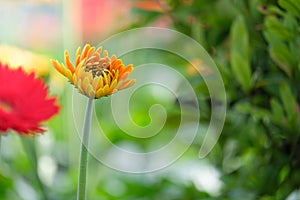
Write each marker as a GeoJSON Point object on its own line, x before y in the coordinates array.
{"type": "Point", "coordinates": [94, 75]}
{"type": "Point", "coordinates": [24, 103]}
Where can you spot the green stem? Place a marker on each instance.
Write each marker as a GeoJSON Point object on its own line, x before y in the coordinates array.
{"type": "Point", "coordinates": [0, 147]}
{"type": "Point", "coordinates": [83, 163]}
{"type": "Point", "coordinates": [29, 146]}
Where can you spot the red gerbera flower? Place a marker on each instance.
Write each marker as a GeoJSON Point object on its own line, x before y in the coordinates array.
{"type": "Point", "coordinates": [24, 103]}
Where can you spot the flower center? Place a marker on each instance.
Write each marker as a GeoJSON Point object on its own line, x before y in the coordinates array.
{"type": "Point", "coordinates": [96, 67]}
{"type": "Point", "coordinates": [5, 106]}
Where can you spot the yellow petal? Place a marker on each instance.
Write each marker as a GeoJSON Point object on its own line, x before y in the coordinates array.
{"type": "Point", "coordinates": [85, 84]}
{"type": "Point", "coordinates": [90, 91]}
{"type": "Point", "coordinates": [116, 74]}
{"type": "Point", "coordinates": [105, 78]}
{"type": "Point", "coordinates": [78, 56]}
{"type": "Point", "coordinates": [105, 89]}
{"type": "Point", "coordinates": [105, 54]}
{"type": "Point", "coordinates": [69, 75]}
{"type": "Point", "coordinates": [80, 73]}
{"type": "Point", "coordinates": [75, 80]}
{"type": "Point", "coordinates": [100, 83]}
{"type": "Point", "coordinates": [95, 82]}
{"type": "Point", "coordinates": [113, 58]}
{"type": "Point", "coordinates": [79, 86]}
{"type": "Point", "coordinates": [79, 66]}
{"type": "Point", "coordinates": [89, 76]}
{"type": "Point", "coordinates": [113, 84]}
{"type": "Point", "coordinates": [99, 93]}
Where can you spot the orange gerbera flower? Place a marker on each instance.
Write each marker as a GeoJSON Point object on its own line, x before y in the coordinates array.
{"type": "Point", "coordinates": [93, 75]}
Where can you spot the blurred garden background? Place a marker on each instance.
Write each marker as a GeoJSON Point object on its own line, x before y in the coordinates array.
{"type": "Point", "coordinates": [256, 47]}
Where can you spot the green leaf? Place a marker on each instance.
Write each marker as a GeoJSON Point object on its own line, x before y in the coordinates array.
{"type": "Point", "coordinates": [289, 103]}
{"type": "Point", "coordinates": [277, 112]}
{"type": "Point", "coordinates": [257, 112]}
{"type": "Point", "coordinates": [275, 10]}
{"type": "Point", "coordinates": [276, 28]}
{"type": "Point", "coordinates": [240, 58]}
{"type": "Point", "coordinates": [284, 172]}
{"type": "Point", "coordinates": [291, 23]}
{"type": "Point", "coordinates": [197, 32]}
{"type": "Point", "coordinates": [5, 184]}
{"type": "Point", "coordinates": [292, 6]}
{"type": "Point", "coordinates": [279, 52]}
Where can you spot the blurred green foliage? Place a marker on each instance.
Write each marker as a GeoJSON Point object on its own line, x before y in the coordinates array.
{"type": "Point", "coordinates": [256, 45]}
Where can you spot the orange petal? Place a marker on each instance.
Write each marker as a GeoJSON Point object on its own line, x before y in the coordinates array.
{"type": "Point", "coordinates": [127, 69]}
{"type": "Point", "coordinates": [99, 50]}
{"type": "Point", "coordinates": [85, 51]}
{"type": "Point", "coordinates": [116, 64]}
{"type": "Point", "coordinates": [124, 76]}
{"type": "Point", "coordinates": [127, 84]}
{"type": "Point", "coordinates": [91, 51]}
{"type": "Point", "coordinates": [63, 70]}
{"type": "Point", "coordinates": [68, 62]}
{"type": "Point", "coordinates": [57, 66]}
